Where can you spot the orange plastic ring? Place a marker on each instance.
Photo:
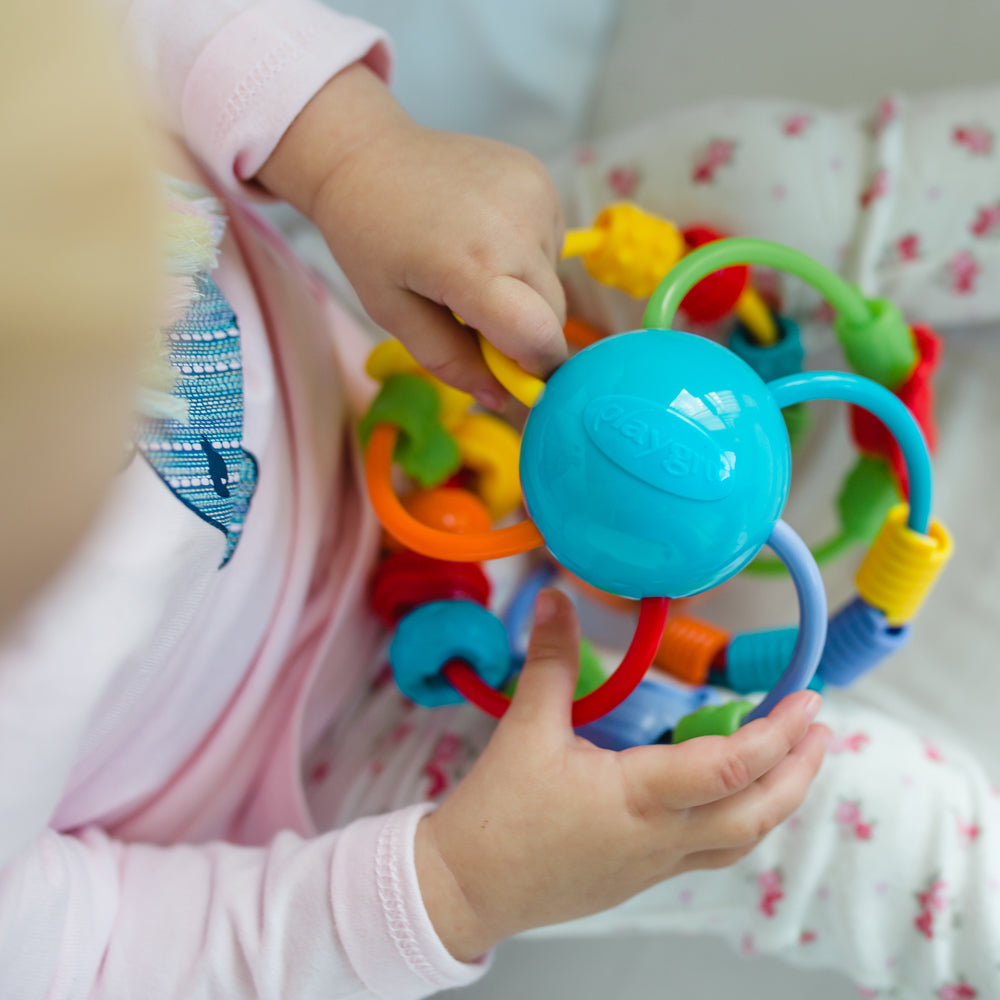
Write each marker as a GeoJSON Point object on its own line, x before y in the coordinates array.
{"type": "Point", "coordinates": [472, 547]}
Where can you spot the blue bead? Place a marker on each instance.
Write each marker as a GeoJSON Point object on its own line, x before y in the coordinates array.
{"type": "Point", "coordinates": [655, 463]}
{"type": "Point", "coordinates": [859, 638]}
{"type": "Point", "coordinates": [431, 635]}
{"type": "Point", "coordinates": [651, 709]}
{"type": "Point", "coordinates": [774, 361]}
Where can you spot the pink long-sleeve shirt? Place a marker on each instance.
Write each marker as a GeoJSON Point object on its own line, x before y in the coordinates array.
{"type": "Point", "coordinates": [154, 707]}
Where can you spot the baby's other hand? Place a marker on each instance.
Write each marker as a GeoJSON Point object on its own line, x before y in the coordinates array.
{"type": "Point", "coordinates": [428, 226]}
{"type": "Point", "coordinates": [547, 827]}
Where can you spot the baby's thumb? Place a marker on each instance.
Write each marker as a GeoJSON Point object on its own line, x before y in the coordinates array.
{"type": "Point", "coordinates": [548, 680]}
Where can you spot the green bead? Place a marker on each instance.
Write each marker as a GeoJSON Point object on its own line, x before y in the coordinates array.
{"type": "Point", "coordinates": [797, 421]}
{"type": "Point", "coordinates": [712, 720]}
{"type": "Point", "coordinates": [424, 449]}
{"type": "Point", "coordinates": [882, 348]}
{"type": "Point", "coordinates": [592, 673]}
{"type": "Point", "coordinates": [868, 493]}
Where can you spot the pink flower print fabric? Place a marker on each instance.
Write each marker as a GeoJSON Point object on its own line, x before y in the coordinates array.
{"type": "Point", "coordinates": [901, 198]}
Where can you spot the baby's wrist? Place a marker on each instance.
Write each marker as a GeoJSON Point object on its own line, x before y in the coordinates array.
{"type": "Point", "coordinates": [351, 110]}
{"type": "Point", "coordinates": [461, 930]}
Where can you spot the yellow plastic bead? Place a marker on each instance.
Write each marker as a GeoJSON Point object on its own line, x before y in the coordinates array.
{"type": "Point", "coordinates": [902, 565]}
{"type": "Point", "coordinates": [491, 449]}
{"type": "Point", "coordinates": [637, 250]}
{"type": "Point", "coordinates": [391, 358]}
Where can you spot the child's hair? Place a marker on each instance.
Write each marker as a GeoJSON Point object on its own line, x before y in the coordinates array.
{"type": "Point", "coordinates": [78, 278]}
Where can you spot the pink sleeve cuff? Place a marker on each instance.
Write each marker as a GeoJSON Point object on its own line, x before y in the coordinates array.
{"type": "Point", "coordinates": [256, 74]}
{"type": "Point", "coordinates": [380, 915]}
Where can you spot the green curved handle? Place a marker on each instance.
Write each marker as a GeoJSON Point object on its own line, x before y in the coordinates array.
{"type": "Point", "coordinates": [707, 259]}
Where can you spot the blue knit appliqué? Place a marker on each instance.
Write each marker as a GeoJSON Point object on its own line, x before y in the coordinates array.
{"type": "Point", "coordinates": [203, 461]}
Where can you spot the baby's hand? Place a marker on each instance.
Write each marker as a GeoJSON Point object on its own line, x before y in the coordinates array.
{"type": "Point", "coordinates": [430, 225]}
{"type": "Point", "coordinates": [547, 827]}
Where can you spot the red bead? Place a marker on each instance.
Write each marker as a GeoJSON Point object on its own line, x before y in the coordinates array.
{"type": "Point", "coordinates": [407, 579]}
{"type": "Point", "coordinates": [917, 392]}
{"type": "Point", "coordinates": [716, 295]}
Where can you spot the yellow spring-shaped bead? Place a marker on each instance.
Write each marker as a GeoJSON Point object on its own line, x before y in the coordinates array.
{"type": "Point", "coordinates": [491, 448]}
{"type": "Point", "coordinates": [902, 565]}
{"type": "Point", "coordinates": [689, 647]}
{"type": "Point", "coordinates": [638, 249]}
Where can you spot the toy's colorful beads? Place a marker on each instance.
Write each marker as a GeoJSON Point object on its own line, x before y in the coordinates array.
{"type": "Point", "coordinates": [716, 296]}
{"type": "Point", "coordinates": [655, 463]}
{"type": "Point", "coordinates": [433, 634]}
{"type": "Point", "coordinates": [449, 509]}
{"type": "Point", "coordinates": [391, 358]}
{"type": "Point", "coordinates": [646, 714]}
{"type": "Point", "coordinates": [423, 448]}
{"type": "Point", "coordinates": [712, 720]}
{"type": "Point", "coordinates": [860, 638]}
{"type": "Point", "coordinates": [689, 648]}
{"type": "Point", "coordinates": [405, 580]}
{"type": "Point", "coordinates": [882, 348]}
{"type": "Point", "coordinates": [917, 392]}
{"type": "Point", "coordinates": [774, 361]}
{"type": "Point", "coordinates": [636, 250]}
{"type": "Point", "coordinates": [798, 420]}
{"type": "Point", "coordinates": [490, 448]}
{"type": "Point", "coordinates": [902, 565]}
{"type": "Point", "coordinates": [755, 660]}
{"type": "Point", "coordinates": [868, 494]}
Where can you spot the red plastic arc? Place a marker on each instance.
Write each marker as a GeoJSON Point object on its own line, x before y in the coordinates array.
{"type": "Point", "coordinates": [639, 655]}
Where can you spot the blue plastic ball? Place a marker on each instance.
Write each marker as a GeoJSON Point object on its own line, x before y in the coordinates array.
{"type": "Point", "coordinates": [655, 463]}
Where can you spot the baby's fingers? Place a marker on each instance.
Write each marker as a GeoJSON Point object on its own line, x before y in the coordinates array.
{"type": "Point", "coordinates": [713, 767]}
{"type": "Point", "coordinates": [523, 322]}
{"type": "Point", "coordinates": [544, 694]}
{"type": "Point", "coordinates": [744, 819]}
{"type": "Point", "coordinates": [440, 344]}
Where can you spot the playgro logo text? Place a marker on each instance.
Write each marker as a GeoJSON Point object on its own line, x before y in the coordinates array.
{"type": "Point", "coordinates": [659, 446]}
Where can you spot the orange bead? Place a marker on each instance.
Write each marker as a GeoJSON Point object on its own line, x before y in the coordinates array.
{"type": "Point", "coordinates": [689, 648]}
{"type": "Point", "coordinates": [446, 508]}
{"type": "Point", "coordinates": [403, 526]}
{"type": "Point", "coordinates": [450, 509]}
{"type": "Point", "coordinates": [582, 334]}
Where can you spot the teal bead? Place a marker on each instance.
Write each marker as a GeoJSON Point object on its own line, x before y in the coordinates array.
{"type": "Point", "coordinates": [770, 361]}
{"type": "Point", "coordinates": [431, 635]}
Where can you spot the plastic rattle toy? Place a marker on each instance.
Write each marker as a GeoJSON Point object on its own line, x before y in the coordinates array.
{"type": "Point", "coordinates": [633, 250]}
{"type": "Point", "coordinates": [653, 465]}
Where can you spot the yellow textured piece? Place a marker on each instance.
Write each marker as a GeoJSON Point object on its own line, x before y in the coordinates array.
{"type": "Point", "coordinates": [391, 358]}
{"type": "Point", "coordinates": [581, 241]}
{"type": "Point", "coordinates": [902, 565]}
{"type": "Point", "coordinates": [637, 251]}
{"type": "Point", "coordinates": [527, 388]}
{"type": "Point", "coordinates": [757, 318]}
{"type": "Point", "coordinates": [491, 449]}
